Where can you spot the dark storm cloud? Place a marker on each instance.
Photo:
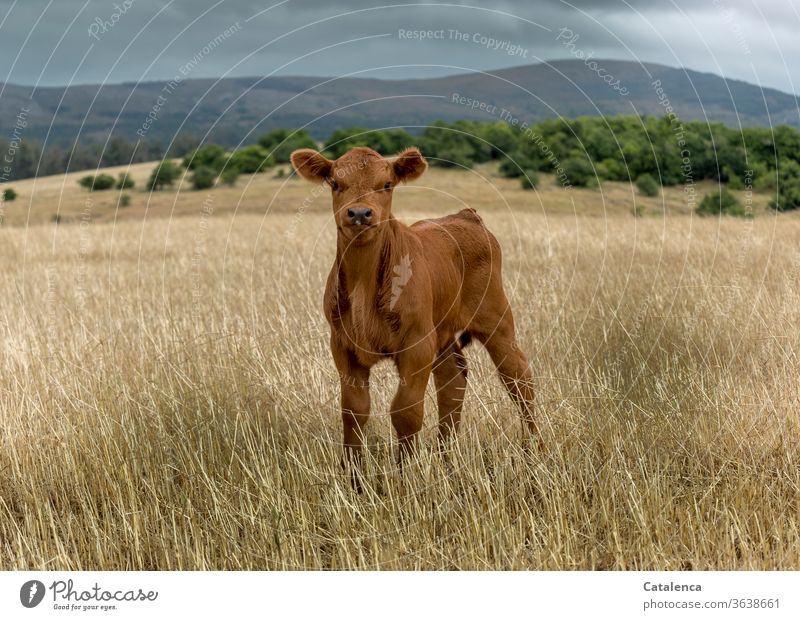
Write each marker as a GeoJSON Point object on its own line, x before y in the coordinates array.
{"type": "Point", "coordinates": [147, 40]}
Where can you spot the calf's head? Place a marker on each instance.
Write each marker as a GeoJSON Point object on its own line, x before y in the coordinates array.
{"type": "Point", "coordinates": [361, 183]}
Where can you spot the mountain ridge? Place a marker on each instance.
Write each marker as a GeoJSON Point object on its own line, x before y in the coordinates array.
{"type": "Point", "coordinates": [234, 110]}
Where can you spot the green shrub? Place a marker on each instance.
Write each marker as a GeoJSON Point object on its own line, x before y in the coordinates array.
{"type": "Point", "coordinates": [517, 164]}
{"type": "Point", "coordinates": [207, 156]}
{"type": "Point", "coordinates": [579, 172]}
{"type": "Point", "coordinates": [501, 136]}
{"type": "Point", "coordinates": [9, 194]}
{"type": "Point", "coordinates": [512, 168]}
{"type": "Point", "coordinates": [384, 141]}
{"type": "Point", "coordinates": [529, 180]}
{"type": "Point", "coordinates": [164, 175]}
{"type": "Point", "coordinates": [647, 185]}
{"type": "Point", "coordinates": [463, 143]}
{"type": "Point", "coordinates": [203, 177]}
{"type": "Point", "coordinates": [251, 159]}
{"type": "Point", "coordinates": [721, 202]}
{"type": "Point", "coordinates": [103, 182]}
{"type": "Point", "coordinates": [734, 180]}
{"type": "Point", "coordinates": [281, 142]}
{"type": "Point", "coordinates": [97, 183]}
{"type": "Point", "coordinates": [229, 175]}
{"type": "Point", "coordinates": [55, 218]}
{"type": "Point", "coordinates": [124, 181]}
{"type": "Point", "coordinates": [124, 200]}
{"type": "Point", "coordinates": [456, 156]}
{"type": "Point", "coordinates": [762, 178]}
{"type": "Point", "coordinates": [612, 170]}
{"type": "Point", "coordinates": [788, 196]}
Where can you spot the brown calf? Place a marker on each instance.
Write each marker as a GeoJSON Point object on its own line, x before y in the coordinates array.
{"type": "Point", "coordinates": [415, 294]}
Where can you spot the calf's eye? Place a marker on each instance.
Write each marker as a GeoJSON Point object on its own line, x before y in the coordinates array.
{"type": "Point", "coordinates": [387, 186]}
{"type": "Point", "coordinates": [334, 185]}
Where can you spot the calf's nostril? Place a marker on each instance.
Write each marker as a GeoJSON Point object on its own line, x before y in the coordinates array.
{"type": "Point", "coordinates": [350, 213]}
{"type": "Point", "coordinates": [367, 213]}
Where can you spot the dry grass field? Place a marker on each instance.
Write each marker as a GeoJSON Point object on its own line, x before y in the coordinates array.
{"type": "Point", "coordinates": [167, 399]}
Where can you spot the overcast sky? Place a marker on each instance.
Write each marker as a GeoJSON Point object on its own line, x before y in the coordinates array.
{"type": "Point", "coordinates": [54, 42]}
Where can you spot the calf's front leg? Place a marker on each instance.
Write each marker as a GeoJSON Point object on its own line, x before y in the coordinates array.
{"type": "Point", "coordinates": [354, 381]}
{"type": "Point", "coordinates": [408, 406]}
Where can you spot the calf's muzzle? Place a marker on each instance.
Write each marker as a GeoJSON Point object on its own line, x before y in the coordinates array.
{"type": "Point", "coordinates": [359, 216]}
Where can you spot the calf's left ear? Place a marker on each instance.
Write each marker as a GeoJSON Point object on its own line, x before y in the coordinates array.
{"type": "Point", "coordinates": [409, 165]}
{"type": "Point", "coordinates": [311, 165]}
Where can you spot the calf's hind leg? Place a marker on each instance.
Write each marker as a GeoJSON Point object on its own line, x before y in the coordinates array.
{"type": "Point", "coordinates": [512, 365]}
{"type": "Point", "coordinates": [450, 377]}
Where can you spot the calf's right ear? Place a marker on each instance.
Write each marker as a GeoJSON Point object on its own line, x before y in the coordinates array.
{"type": "Point", "coordinates": [311, 165]}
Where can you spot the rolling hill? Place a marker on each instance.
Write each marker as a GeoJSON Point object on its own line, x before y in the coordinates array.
{"type": "Point", "coordinates": [238, 109]}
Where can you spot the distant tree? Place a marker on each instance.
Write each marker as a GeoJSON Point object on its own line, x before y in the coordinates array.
{"type": "Point", "coordinates": [771, 177]}
{"type": "Point", "coordinates": [119, 151]}
{"type": "Point", "coordinates": [124, 200]}
{"type": "Point", "coordinates": [27, 160]}
{"type": "Point", "coordinates": [251, 159]}
{"type": "Point", "coordinates": [540, 147]}
{"type": "Point", "coordinates": [787, 142]}
{"type": "Point", "coordinates": [103, 182]}
{"type": "Point", "coordinates": [281, 142]}
{"type": "Point", "coordinates": [730, 177]}
{"type": "Point", "coordinates": [152, 149]}
{"type": "Point", "coordinates": [516, 163]}
{"type": "Point", "coordinates": [384, 141]}
{"type": "Point", "coordinates": [229, 176]}
{"type": "Point", "coordinates": [459, 144]}
{"type": "Point", "coordinates": [721, 202]}
{"type": "Point", "coordinates": [452, 156]}
{"type": "Point", "coordinates": [52, 161]}
{"type": "Point", "coordinates": [203, 177]}
{"type": "Point", "coordinates": [620, 148]}
{"type": "Point", "coordinates": [579, 172]}
{"type": "Point", "coordinates": [182, 144]}
{"type": "Point", "coordinates": [788, 196]}
{"type": "Point", "coordinates": [761, 176]}
{"type": "Point", "coordinates": [207, 156]}
{"type": "Point", "coordinates": [612, 169]}
{"type": "Point", "coordinates": [124, 181]}
{"type": "Point", "coordinates": [502, 138]}
{"type": "Point", "coordinates": [397, 139]}
{"type": "Point", "coordinates": [529, 180]}
{"type": "Point", "coordinates": [9, 195]}
{"type": "Point", "coordinates": [164, 175]}
{"type": "Point", "coordinates": [647, 185]}
{"type": "Point", "coordinates": [82, 156]}
{"type": "Point", "coordinates": [97, 183]}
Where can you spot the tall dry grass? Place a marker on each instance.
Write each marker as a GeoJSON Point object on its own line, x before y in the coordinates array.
{"type": "Point", "coordinates": [167, 401]}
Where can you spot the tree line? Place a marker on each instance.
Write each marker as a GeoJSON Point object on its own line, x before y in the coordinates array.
{"type": "Point", "coordinates": [29, 158]}
{"type": "Point", "coordinates": [649, 151]}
